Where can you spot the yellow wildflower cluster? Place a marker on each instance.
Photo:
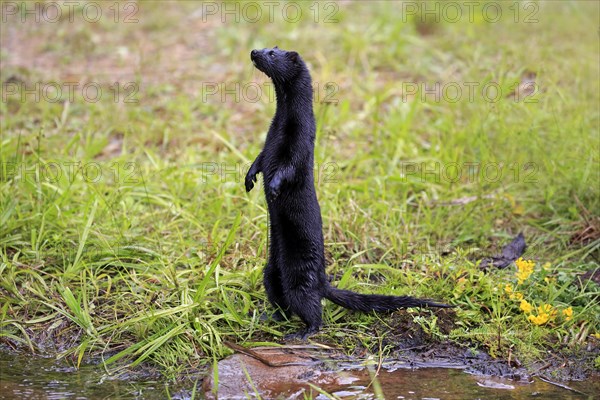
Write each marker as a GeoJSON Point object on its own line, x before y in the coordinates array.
{"type": "Point", "coordinates": [524, 269]}
{"type": "Point", "coordinates": [538, 319]}
{"type": "Point", "coordinates": [545, 313]}
{"type": "Point", "coordinates": [537, 315]}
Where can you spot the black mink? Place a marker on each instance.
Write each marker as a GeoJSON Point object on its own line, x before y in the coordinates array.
{"type": "Point", "coordinates": [294, 277]}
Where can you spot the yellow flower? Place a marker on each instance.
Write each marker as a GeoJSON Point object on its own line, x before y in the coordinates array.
{"type": "Point", "coordinates": [524, 269]}
{"type": "Point", "coordinates": [508, 289]}
{"type": "Point", "coordinates": [526, 307]}
{"type": "Point", "coordinates": [539, 319]}
{"type": "Point", "coordinates": [568, 313]}
{"type": "Point", "coordinates": [545, 313]}
{"type": "Point", "coordinates": [596, 335]}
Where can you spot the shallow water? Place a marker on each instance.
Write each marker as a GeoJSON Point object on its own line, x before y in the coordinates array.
{"type": "Point", "coordinates": [25, 377]}
{"type": "Point", "coordinates": [454, 384]}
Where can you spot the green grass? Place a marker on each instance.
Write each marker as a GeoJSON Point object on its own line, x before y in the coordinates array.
{"type": "Point", "coordinates": [146, 248]}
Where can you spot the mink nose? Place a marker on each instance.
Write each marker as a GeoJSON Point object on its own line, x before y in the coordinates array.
{"type": "Point", "coordinates": [253, 53]}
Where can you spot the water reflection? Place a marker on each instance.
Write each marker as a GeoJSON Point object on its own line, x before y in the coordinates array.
{"type": "Point", "coordinates": [26, 377]}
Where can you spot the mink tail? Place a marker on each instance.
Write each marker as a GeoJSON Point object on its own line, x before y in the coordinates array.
{"type": "Point", "coordinates": [376, 302]}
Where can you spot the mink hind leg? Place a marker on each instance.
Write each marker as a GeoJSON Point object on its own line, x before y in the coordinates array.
{"type": "Point", "coordinates": [306, 303]}
{"type": "Point", "coordinates": [272, 282]}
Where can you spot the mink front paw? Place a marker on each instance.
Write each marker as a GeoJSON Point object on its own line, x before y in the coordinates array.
{"type": "Point", "coordinates": [250, 179]}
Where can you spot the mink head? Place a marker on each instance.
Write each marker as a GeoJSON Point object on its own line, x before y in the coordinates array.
{"type": "Point", "coordinates": [280, 65]}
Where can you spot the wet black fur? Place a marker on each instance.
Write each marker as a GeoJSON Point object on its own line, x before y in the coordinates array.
{"type": "Point", "coordinates": [294, 276]}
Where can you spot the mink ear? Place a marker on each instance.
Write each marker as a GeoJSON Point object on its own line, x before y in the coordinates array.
{"type": "Point", "coordinates": [275, 47]}
{"type": "Point", "coordinates": [293, 56]}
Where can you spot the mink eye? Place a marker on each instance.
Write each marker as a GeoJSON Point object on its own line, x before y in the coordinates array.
{"type": "Point", "coordinates": [271, 53]}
